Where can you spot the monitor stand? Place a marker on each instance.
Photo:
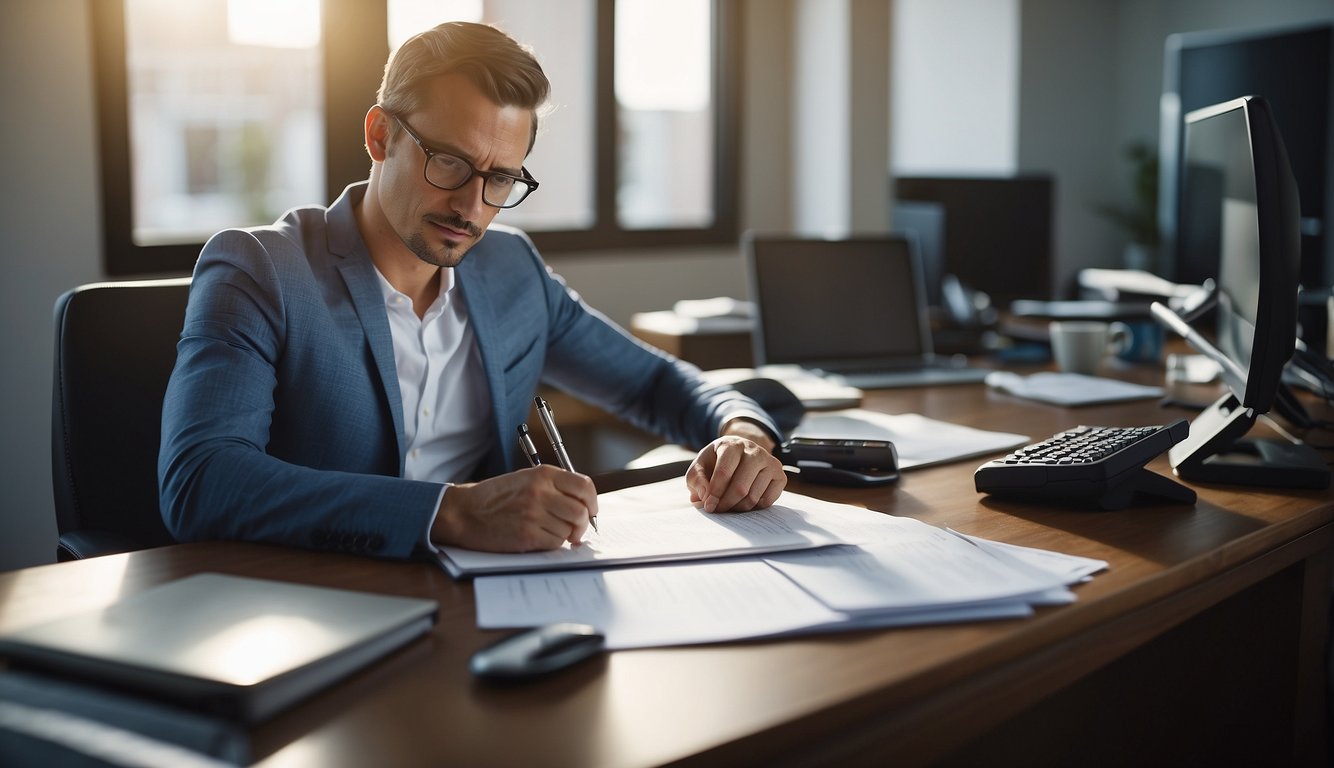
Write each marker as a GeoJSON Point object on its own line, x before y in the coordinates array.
{"type": "Point", "coordinates": [1215, 452]}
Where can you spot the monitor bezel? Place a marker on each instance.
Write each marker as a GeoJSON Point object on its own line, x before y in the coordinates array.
{"type": "Point", "coordinates": [1275, 334]}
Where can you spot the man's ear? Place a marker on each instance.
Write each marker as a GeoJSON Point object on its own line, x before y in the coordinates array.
{"type": "Point", "coordinates": [377, 133]}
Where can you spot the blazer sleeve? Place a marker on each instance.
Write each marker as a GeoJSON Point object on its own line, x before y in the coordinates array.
{"type": "Point", "coordinates": [596, 360]}
{"type": "Point", "coordinates": [217, 476]}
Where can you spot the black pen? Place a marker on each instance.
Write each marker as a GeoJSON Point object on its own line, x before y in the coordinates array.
{"type": "Point", "coordinates": [549, 424]}
{"type": "Point", "coordinates": [529, 450]}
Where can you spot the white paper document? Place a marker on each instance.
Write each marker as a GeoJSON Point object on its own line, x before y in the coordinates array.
{"type": "Point", "coordinates": [912, 573]}
{"type": "Point", "coordinates": [657, 523]}
{"type": "Point", "coordinates": [1070, 389]}
{"type": "Point", "coordinates": [1071, 568]}
{"type": "Point", "coordinates": [689, 604]}
{"type": "Point", "coordinates": [648, 606]}
{"type": "Point", "coordinates": [919, 441]}
{"type": "Point", "coordinates": [935, 569]}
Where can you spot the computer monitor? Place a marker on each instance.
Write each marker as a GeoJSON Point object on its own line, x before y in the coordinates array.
{"type": "Point", "coordinates": [925, 222]}
{"type": "Point", "coordinates": [997, 233]}
{"type": "Point", "coordinates": [1293, 69]}
{"type": "Point", "coordinates": [1240, 211]}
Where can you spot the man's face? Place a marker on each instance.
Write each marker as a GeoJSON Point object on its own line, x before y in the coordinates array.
{"type": "Point", "coordinates": [437, 225]}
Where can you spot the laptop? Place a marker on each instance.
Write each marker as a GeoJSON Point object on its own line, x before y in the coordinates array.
{"type": "Point", "coordinates": [236, 647]}
{"type": "Point", "coordinates": [852, 310]}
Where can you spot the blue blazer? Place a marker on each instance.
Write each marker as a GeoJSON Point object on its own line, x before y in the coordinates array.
{"type": "Point", "coordinates": [283, 422]}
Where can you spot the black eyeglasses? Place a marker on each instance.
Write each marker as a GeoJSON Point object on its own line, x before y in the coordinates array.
{"type": "Point", "coordinates": [446, 171]}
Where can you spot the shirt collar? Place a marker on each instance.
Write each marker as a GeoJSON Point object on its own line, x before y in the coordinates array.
{"type": "Point", "coordinates": [448, 282]}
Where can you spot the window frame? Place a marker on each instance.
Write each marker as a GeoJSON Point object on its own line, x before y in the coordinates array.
{"type": "Point", "coordinates": [361, 38]}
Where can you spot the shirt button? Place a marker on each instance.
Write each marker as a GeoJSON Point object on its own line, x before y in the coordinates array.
{"type": "Point", "coordinates": [426, 411]}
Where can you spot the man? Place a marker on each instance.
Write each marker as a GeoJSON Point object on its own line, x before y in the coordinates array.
{"type": "Point", "coordinates": [347, 379]}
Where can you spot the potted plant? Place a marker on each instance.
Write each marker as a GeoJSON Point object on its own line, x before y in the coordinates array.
{"type": "Point", "coordinates": [1140, 219]}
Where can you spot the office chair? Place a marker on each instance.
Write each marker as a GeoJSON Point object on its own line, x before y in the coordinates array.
{"type": "Point", "coordinates": [115, 348]}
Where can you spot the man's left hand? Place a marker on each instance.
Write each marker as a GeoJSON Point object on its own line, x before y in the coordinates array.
{"type": "Point", "coordinates": [737, 472]}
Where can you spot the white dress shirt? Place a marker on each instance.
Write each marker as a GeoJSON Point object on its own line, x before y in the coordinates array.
{"type": "Point", "coordinates": [446, 404]}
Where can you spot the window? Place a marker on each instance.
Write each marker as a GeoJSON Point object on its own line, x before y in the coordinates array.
{"type": "Point", "coordinates": [664, 102]}
{"type": "Point", "coordinates": [563, 35]}
{"type": "Point", "coordinates": [221, 113]}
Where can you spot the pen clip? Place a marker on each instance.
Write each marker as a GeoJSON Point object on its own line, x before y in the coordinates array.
{"type": "Point", "coordinates": [526, 445]}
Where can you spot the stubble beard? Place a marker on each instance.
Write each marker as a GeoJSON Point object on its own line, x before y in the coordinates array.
{"type": "Point", "coordinates": [442, 256]}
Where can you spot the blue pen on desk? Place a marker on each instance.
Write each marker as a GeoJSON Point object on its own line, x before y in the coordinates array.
{"type": "Point", "coordinates": [549, 424]}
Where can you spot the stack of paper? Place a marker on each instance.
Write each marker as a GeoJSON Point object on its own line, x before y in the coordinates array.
{"type": "Point", "coordinates": [891, 571]}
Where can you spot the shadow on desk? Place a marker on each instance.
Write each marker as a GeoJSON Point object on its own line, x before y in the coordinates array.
{"type": "Point", "coordinates": [1121, 529]}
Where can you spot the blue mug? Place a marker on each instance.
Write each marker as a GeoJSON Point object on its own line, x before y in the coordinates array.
{"type": "Point", "coordinates": [1144, 343]}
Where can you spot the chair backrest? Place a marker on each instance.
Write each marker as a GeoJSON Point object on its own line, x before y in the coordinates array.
{"type": "Point", "coordinates": [115, 348]}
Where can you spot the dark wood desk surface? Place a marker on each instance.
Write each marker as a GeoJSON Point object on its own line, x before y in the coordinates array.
{"type": "Point", "coordinates": [1202, 644]}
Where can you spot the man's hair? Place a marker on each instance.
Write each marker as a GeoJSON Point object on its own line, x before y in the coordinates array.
{"type": "Point", "coordinates": [505, 71]}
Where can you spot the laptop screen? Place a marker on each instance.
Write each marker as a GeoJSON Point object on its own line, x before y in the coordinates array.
{"type": "Point", "coordinates": [832, 303]}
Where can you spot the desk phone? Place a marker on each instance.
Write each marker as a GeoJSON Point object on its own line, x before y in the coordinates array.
{"type": "Point", "coordinates": [1098, 466]}
{"type": "Point", "coordinates": [837, 461]}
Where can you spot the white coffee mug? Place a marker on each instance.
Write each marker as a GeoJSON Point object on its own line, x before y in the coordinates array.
{"type": "Point", "coordinates": [1080, 345]}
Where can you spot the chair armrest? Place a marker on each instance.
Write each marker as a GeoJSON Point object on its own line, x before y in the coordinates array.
{"type": "Point", "coordinates": [77, 545]}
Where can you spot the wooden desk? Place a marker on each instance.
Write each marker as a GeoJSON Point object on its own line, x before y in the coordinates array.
{"type": "Point", "coordinates": [1202, 645]}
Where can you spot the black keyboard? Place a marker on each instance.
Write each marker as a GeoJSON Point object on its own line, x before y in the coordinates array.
{"type": "Point", "coordinates": [1102, 466]}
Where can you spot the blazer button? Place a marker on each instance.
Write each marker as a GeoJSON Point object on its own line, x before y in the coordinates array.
{"type": "Point", "coordinates": [376, 543]}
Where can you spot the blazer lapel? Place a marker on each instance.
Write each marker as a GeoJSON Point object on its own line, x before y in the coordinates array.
{"type": "Point", "coordinates": [485, 328]}
{"type": "Point", "coordinates": [354, 264]}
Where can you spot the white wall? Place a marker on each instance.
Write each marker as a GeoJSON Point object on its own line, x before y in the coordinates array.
{"type": "Point", "coordinates": [49, 224]}
{"type": "Point", "coordinates": [840, 122]}
{"type": "Point", "coordinates": [1067, 122]}
{"type": "Point", "coordinates": [954, 95]}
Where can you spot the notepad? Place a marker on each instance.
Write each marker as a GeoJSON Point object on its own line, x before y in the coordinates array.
{"type": "Point", "coordinates": [236, 647]}
{"type": "Point", "coordinates": [1070, 389]}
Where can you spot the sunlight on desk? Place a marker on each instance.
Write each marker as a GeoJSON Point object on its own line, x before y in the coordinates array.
{"type": "Point", "coordinates": [99, 588]}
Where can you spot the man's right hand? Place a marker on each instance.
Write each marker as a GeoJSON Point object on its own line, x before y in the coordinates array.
{"type": "Point", "coordinates": [531, 509]}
